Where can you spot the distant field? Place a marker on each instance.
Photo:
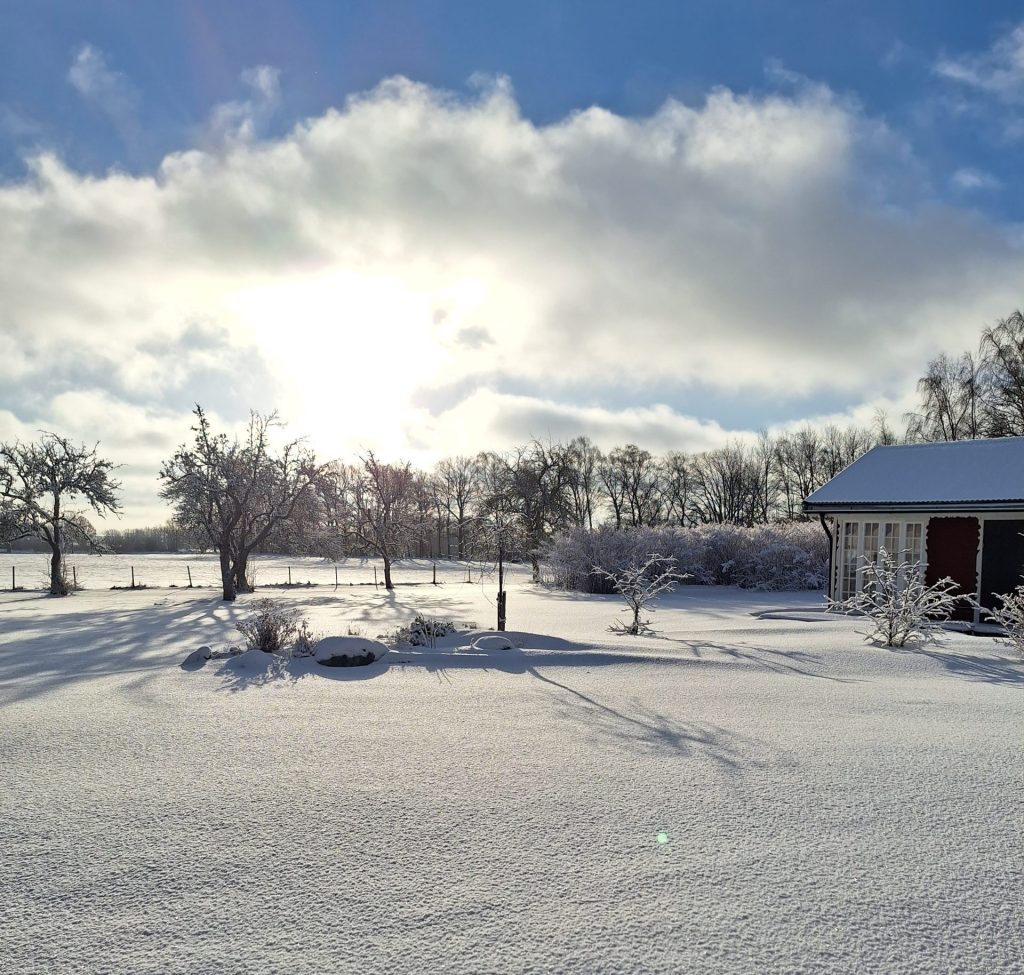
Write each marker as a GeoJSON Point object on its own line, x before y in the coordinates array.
{"type": "Point", "coordinates": [31, 571]}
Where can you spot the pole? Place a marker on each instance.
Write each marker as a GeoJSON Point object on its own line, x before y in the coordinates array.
{"type": "Point", "coordinates": [435, 573]}
{"type": "Point", "coordinates": [189, 571]}
{"type": "Point", "coordinates": [74, 575]}
{"type": "Point", "coordinates": [133, 577]}
{"type": "Point", "coordinates": [335, 577]}
{"type": "Point", "coordinates": [13, 586]}
{"type": "Point", "coordinates": [375, 577]}
{"type": "Point", "coordinates": [289, 575]}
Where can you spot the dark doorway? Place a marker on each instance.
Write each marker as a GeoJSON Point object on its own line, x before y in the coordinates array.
{"type": "Point", "coordinates": [953, 552]}
{"type": "Point", "coordinates": [1002, 560]}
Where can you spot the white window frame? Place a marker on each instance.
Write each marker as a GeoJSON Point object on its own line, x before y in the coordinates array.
{"type": "Point", "coordinates": [881, 520]}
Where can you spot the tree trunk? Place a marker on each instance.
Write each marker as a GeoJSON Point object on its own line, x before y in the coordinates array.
{"type": "Point", "coordinates": [388, 584]}
{"type": "Point", "coordinates": [227, 577]}
{"type": "Point", "coordinates": [535, 565]}
{"type": "Point", "coordinates": [57, 584]}
{"type": "Point", "coordinates": [240, 570]}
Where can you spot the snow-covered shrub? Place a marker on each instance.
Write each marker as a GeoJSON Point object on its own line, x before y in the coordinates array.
{"type": "Point", "coordinates": [272, 627]}
{"type": "Point", "coordinates": [305, 640]}
{"type": "Point", "coordinates": [899, 605]}
{"type": "Point", "coordinates": [769, 557]}
{"type": "Point", "coordinates": [640, 583]}
{"type": "Point", "coordinates": [1010, 616]}
{"type": "Point", "coordinates": [424, 631]}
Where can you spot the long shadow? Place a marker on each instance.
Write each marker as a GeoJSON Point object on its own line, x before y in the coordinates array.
{"type": "Point", "coordinates": [643, 727]}
{"type": "Point", "coordinates": [653, 730]}
{"type": "Point", "coordinates": [41, 655]}
{"type": "Point", "coordinates": [988, 670]}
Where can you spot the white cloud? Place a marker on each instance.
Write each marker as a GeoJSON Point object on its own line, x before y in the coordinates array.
{"type": "Point", "coordinates": [968, 178]}
{"type": "Point", "coordinates": [415, 240]}
{"type": "Point", "coordinates": [244, 119]}
{"type": "Point", "coordinates": [110, 91]}
{"type": "Point", "coordinates": [998, 71]}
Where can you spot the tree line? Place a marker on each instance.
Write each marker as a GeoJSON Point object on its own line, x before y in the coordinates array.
{"type": "Point", "coordinates": [245, 494]}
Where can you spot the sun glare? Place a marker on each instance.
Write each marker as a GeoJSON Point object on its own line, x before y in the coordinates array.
{"type": "Point", "coordinates": [345, 346]}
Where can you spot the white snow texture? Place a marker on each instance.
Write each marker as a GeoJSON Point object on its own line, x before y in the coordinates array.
{"type": "Point", "coordinates": [823, 805]}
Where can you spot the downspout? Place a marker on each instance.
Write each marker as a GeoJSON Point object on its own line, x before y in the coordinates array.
{"type": "Point", "coordinates": [831, 554]}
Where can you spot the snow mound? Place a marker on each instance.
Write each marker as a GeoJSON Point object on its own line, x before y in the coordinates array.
{"type": "Point", "coordinates": [348, 651]}
{"type": "Point", "coordinates": [492, 641]}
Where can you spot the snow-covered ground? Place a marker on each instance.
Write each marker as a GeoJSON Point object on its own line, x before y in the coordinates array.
{"type": "Point", "coordinates": [740, 793]}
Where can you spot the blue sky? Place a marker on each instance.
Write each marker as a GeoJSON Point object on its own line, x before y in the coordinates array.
{"type": "Point", "coordinates": [183, 58]}
{"type": "Point", "coordinates": [437, 227]}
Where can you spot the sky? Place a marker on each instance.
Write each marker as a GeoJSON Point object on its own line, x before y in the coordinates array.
{"type": "Point", "coordinates": [436, 228]}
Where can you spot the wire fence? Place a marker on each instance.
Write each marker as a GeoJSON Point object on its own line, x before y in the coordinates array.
{"type": "Point", "coordinates": [26, 572]}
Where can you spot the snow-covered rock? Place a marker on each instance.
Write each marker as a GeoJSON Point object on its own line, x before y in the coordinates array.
{"type": "Point", "coordinates": [492, 641]}
{"type": "Point", "coordinates": [196, 659]}
{"type": "Point", "coordinates": [348, 651]}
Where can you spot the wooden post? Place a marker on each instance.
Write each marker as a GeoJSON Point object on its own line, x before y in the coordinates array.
{"type": "Point", "coordinates": [335, 577]}
{"type": "Point", "coordinates": [74, 575]}
{"type": "Point", "coordinates": [289, 575]}
{"type": "Point", "coordinates": [435, 573]}
{"type": "Point", "coordinates": [13, 585]}
{"type": "Point", "coordinates": [133, 577]}
{"type": "Point", "coordinates": [375, 577]}
{"type": "Point", "coordinates": [189, 571]}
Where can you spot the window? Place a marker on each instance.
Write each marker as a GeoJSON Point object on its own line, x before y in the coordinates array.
{"type": "Point", "coordinates": [862, 542]}
{"type": "Point", "coordinates": [850, 557]}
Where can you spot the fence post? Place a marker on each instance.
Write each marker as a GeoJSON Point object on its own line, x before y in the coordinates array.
{"type": "Point", "coordinates": [13, 586]}
{"type": "Point", "coordinates": [133, 577]}
{"type": "Point", "coordinates": [74, 575]}
{"type": "Point", "coordinates": [189, 571]}
{"type": "Point", "coordinates": [435, 573]}
{"type": "Point", "coordinates": [335, 577]}
{"type": "Point", "coordinates": [289, 575]}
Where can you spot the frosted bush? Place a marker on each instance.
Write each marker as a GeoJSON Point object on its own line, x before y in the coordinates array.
{"type": "Point", "coordinates": [272, 627]}
{"type": "Point", "coordinates": [899, 605]}
{"type": "Point", "coordinates": [424, 631]}
{"type": "Point", "coordinates": [1010, 616]}
{"type": "Point", "coordinates": [767, 557]}
{"type": "Point", "coordinates": [640, 583]}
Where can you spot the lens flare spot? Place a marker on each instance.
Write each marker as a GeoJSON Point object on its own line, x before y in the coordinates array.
{"type": "Point", "coordinates": [663, 838]}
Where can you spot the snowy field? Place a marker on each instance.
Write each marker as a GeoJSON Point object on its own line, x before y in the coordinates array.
{"type": "Point", "coordinates": [752, 790]}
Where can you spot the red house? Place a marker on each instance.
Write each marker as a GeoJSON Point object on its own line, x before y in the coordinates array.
{"type": "Point", "coordinates": [957, 508]}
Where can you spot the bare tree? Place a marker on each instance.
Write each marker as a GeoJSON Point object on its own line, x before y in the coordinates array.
{"type": "Point", "coordinates": [582, 461]}
{"type": "Point", "coordinates": [386, 516]}
{"type": "Point", "coordinates": [532, 481]}
{"type": "Point", "coordinates": [952, 400]}
{"type": "Point", "coordinates": [237, 492]}
{"type": "Point", "coordinates": [458, 480]}
{"type": "Point", "coordinates": [38, 484]}
{"type": "Point", "coordinates": [677, 478]}
{"type": "Point", "coordinates": [1002, 353]}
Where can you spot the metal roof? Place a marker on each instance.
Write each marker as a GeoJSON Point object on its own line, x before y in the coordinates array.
{"type": "Point", "coordinates": [961, 475]}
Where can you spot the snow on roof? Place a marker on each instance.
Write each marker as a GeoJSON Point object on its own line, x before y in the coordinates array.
{"type": "Point", "coordinates": [981, 472]}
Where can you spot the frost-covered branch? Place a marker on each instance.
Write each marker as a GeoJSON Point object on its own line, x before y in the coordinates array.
{"type": "Point", "coordinates": [640, 583]}
{"type": "Point", "coordinates": [899, 605]}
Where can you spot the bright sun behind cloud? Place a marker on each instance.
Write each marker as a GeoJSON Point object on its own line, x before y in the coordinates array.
{"type": "Point", "coordinates": [349, 346]}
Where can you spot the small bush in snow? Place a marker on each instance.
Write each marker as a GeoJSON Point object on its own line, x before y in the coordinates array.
{"type": "Point", "coordinates": [272, 628]}
{"type": "Point", "coordinates": [899, 605]}
{"type": "Point", "coordinates": [640, 583]}
{"type": "Point", "coordinates": [305, 640]}
{"type": "Point", "coordinates": [1010, 616]}
{"type": "Point", "coordinates": [424, 631]}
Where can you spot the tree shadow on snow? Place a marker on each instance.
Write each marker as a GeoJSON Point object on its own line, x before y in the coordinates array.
{"type": "Point", "coordinates": [1001, 671]}
{"type": "Point", "coordinates": [69, 645]}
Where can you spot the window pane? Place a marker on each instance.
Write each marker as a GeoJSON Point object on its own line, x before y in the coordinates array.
{"type": "Point", "coordinates": [848, 581]}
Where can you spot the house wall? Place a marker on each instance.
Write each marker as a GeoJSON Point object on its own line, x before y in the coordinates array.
{"type": "Point", "coordinates": [859, 520]}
